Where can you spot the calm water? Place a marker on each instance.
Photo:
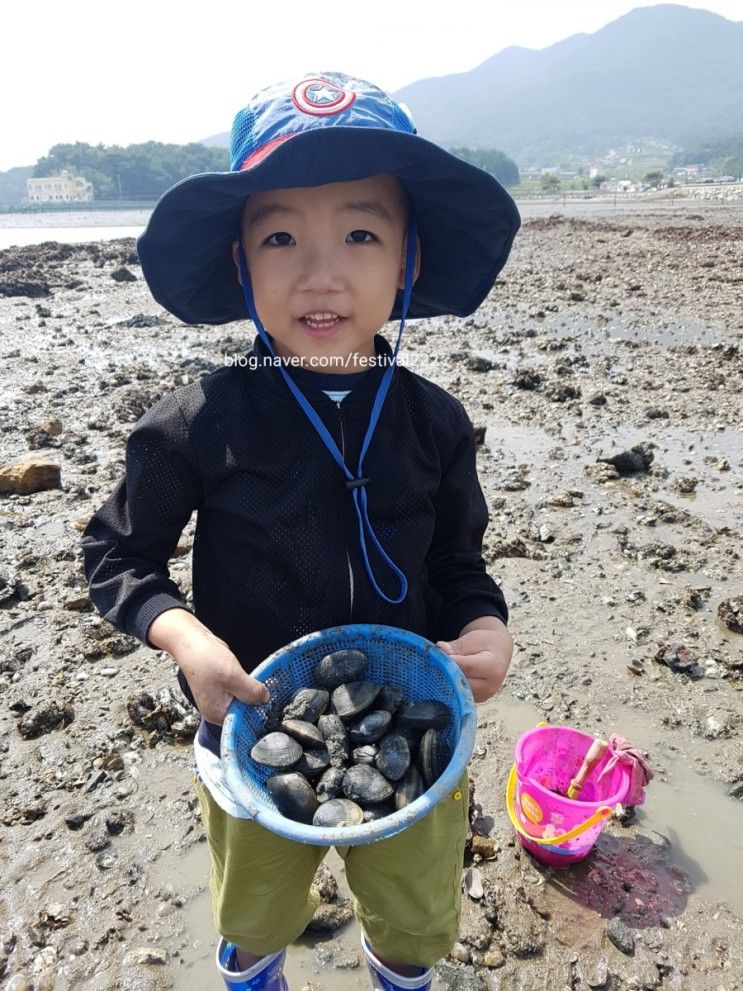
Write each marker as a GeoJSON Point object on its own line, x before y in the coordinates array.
{"type": "Point", "coordinates": [18, 229]}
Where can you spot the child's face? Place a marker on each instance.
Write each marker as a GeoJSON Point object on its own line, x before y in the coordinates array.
{"type": "Point", "coordinates": [325, 263]}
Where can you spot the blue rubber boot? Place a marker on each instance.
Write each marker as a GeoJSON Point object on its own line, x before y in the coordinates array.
{"type": "Point", "coordinates": [384, 979]}
{"type": "Point", "coordinates": [265, 975]}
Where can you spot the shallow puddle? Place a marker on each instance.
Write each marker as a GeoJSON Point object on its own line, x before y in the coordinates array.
{"type": "Point", "coordinates": [303, 965]}
{"type": "Point", "coordinates": [701, 821]}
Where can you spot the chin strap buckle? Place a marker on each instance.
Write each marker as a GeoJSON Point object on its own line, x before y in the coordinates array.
{"type": "Point", "coordinates": [354, 483]}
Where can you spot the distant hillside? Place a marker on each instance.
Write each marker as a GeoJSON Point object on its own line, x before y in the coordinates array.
{"type": "Point", "coordinates": [13, 184]}
{"type": "Point", "coordinates": [141, 171]}
{"type": "Point", "coordinates": [726, 155]}
{"type": "Point", "coordinates": [664, 72]}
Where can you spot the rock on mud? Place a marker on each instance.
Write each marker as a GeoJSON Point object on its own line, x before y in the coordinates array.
{"type": "Point", "coordinates": [730, 612]}
{"type": "Point", "coordinates": [31, 475]}
{"type": "Point", "coordinates": [45, 718]}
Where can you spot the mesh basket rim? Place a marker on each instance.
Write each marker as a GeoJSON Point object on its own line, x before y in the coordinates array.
{"type": "Point", "coordinates": [447, 783]}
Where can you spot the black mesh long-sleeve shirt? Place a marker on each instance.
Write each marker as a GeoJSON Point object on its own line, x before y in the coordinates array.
{"type": "Point", "coordinates": [276, 551]}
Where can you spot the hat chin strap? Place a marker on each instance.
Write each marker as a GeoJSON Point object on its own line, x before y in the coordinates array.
{"type": "Point", "coordinates": [355, 483]}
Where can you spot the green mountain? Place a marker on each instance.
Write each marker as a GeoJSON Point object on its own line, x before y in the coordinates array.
{"type": "Point", "coordinates": [666, 73]}
{"type": "Point", "coordinates": [13, 184]}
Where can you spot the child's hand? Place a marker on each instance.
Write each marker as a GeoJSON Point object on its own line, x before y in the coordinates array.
{"type": "Point", "coordinates": [212, 671]}
{"type": "Point", "coordinates": [483, 652]}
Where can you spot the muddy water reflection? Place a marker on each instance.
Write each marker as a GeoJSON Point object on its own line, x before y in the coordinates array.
{"type": "Point", "coordinates": [307, 959]}
{"type": "Point", "coordinates": [702, 823]}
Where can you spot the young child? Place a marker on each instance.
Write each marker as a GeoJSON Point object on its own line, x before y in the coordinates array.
{"type": "Point", "coordinates": [331, 486]}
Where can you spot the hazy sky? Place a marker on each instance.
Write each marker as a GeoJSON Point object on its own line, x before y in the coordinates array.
{"type": "Point", "coordinates": [157, 70]}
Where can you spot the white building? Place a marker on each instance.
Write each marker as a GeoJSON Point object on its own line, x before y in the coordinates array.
{"type": "Point", "coordinates": [63, 188]}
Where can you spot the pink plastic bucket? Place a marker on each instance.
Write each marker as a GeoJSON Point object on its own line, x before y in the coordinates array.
{"type": "Point", "coordinates": [556, 830]}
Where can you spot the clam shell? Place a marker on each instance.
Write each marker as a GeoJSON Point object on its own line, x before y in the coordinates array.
{"type": "Point", "coordinates": [338, 812]}
{"type": "Point", "coordinates": [433, 756]}
{"type": "Point", "coordinates": [308, 704]}
{"type": "Point", "coordinates": [353, 698]}
{"type": "Point", "coordinates": [375, 812]}
{"type": "Point", "coordinates": [371, 727]}
{"type": "Point", "coordinates": [330, 784]}
{"type": "Point", "coordinates": [411, 787]}
{"type": "Point", "coordinates": [393, 758]}
{"type": "Point", "coordinates": [307, 734]}
{"type": "Point", "coordinates": [424, 715]}
{"type": "Point", "coordinates": [365, 785]}
{"type": "Point", "coordinates": [366, 754]}
{"type": "Point", "coordinates": [293, 796]}
{"type": "Point", "coordinates": [312, 763]}
{"type": "Point", "coordinates": [276, 750]}
{"type": "Point", "coordinates": [340, 667]}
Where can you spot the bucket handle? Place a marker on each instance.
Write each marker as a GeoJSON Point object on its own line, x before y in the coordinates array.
{"type": "Point", "coordinates": [601, 813]}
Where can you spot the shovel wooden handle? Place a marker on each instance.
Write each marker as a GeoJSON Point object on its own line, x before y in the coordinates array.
{"type": "Point", "coordinates": [595, 752]}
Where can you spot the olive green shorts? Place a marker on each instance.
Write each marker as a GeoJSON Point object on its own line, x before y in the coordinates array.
{"type": "Point", "coordinates": [407, 889]}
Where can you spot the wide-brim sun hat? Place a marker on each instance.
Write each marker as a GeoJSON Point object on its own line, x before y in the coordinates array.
{"type": "Point", "coordinates": [328, 127]}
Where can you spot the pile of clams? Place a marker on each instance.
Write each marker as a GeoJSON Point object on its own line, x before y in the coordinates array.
{"type": "Point", "coordinates": [348, 751]}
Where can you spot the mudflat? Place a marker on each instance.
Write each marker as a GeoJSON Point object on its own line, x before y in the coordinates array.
{"type": "Point", "coordinates": [604, 376]}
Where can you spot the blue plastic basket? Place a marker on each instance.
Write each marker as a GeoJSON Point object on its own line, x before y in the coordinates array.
{"type": "Point", "coordinates": [395, 657]}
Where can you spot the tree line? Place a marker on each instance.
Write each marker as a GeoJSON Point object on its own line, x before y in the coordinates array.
{"type": "Point", "coordinates": [505, 170]}
{"type": "Point", "coordinates": [136, 172]}
{"type": "Point", "coordinates": [145, 171]}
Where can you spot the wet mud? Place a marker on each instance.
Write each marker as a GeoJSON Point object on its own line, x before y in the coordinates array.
{"type": "Point", "coordinates": [611, 331]}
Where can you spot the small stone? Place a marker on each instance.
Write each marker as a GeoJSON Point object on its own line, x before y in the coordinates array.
{"type": "Point", "coordinates": [484, 846]}
{"type": "Point", "coordinates": [330, 918]}
{"type": "Point", "coordinates": [636, 459]}
{"type": "Point", "coordinates": [123, 274]}
{"type": "Point", "coordinates": [730, 612]}
{"type": "Point", "coordinates": [621, 935]}
{"type": "Point", "coordinates": [31, 475]}
{"type": "Point", "coordinates": [479, 363]}
{"type": "Point", "coordinates": [77, 603]}
{"type": "Point", "coordinates": [461, 953]}
{"type": "Point", "coordinates": [326, 884]}
{"type": "Point", "coordinates": [18, 983]}
{"type": "Point", "coordinates": [601, 473]}
{"type": "Point", "coordinates": [146, 955]}
{"type": "Point", "coordinates": [679, 658]}
{"type": "Point", "coordinates": [45, 718]}
{"type": "Point", "coordinates": [600, 974]}
{"type": "Point", "coordinates": [686, 484]}
{"type": "Point", "coordinates": [97, 840]}
{"type": "Point", "coordinates": [493, 959]}
{"type": "Point", "coordinates": [472, 882]}
{"type": "Point", "coordinates": [76, 820]}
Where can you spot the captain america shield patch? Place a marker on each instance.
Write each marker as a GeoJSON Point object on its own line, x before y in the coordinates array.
{"type": "Point", "coordinates": [320, 97]}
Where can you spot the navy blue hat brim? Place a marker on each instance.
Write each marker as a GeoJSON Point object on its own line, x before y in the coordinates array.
{"type": "Point", "coordinates": [466, 221]}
